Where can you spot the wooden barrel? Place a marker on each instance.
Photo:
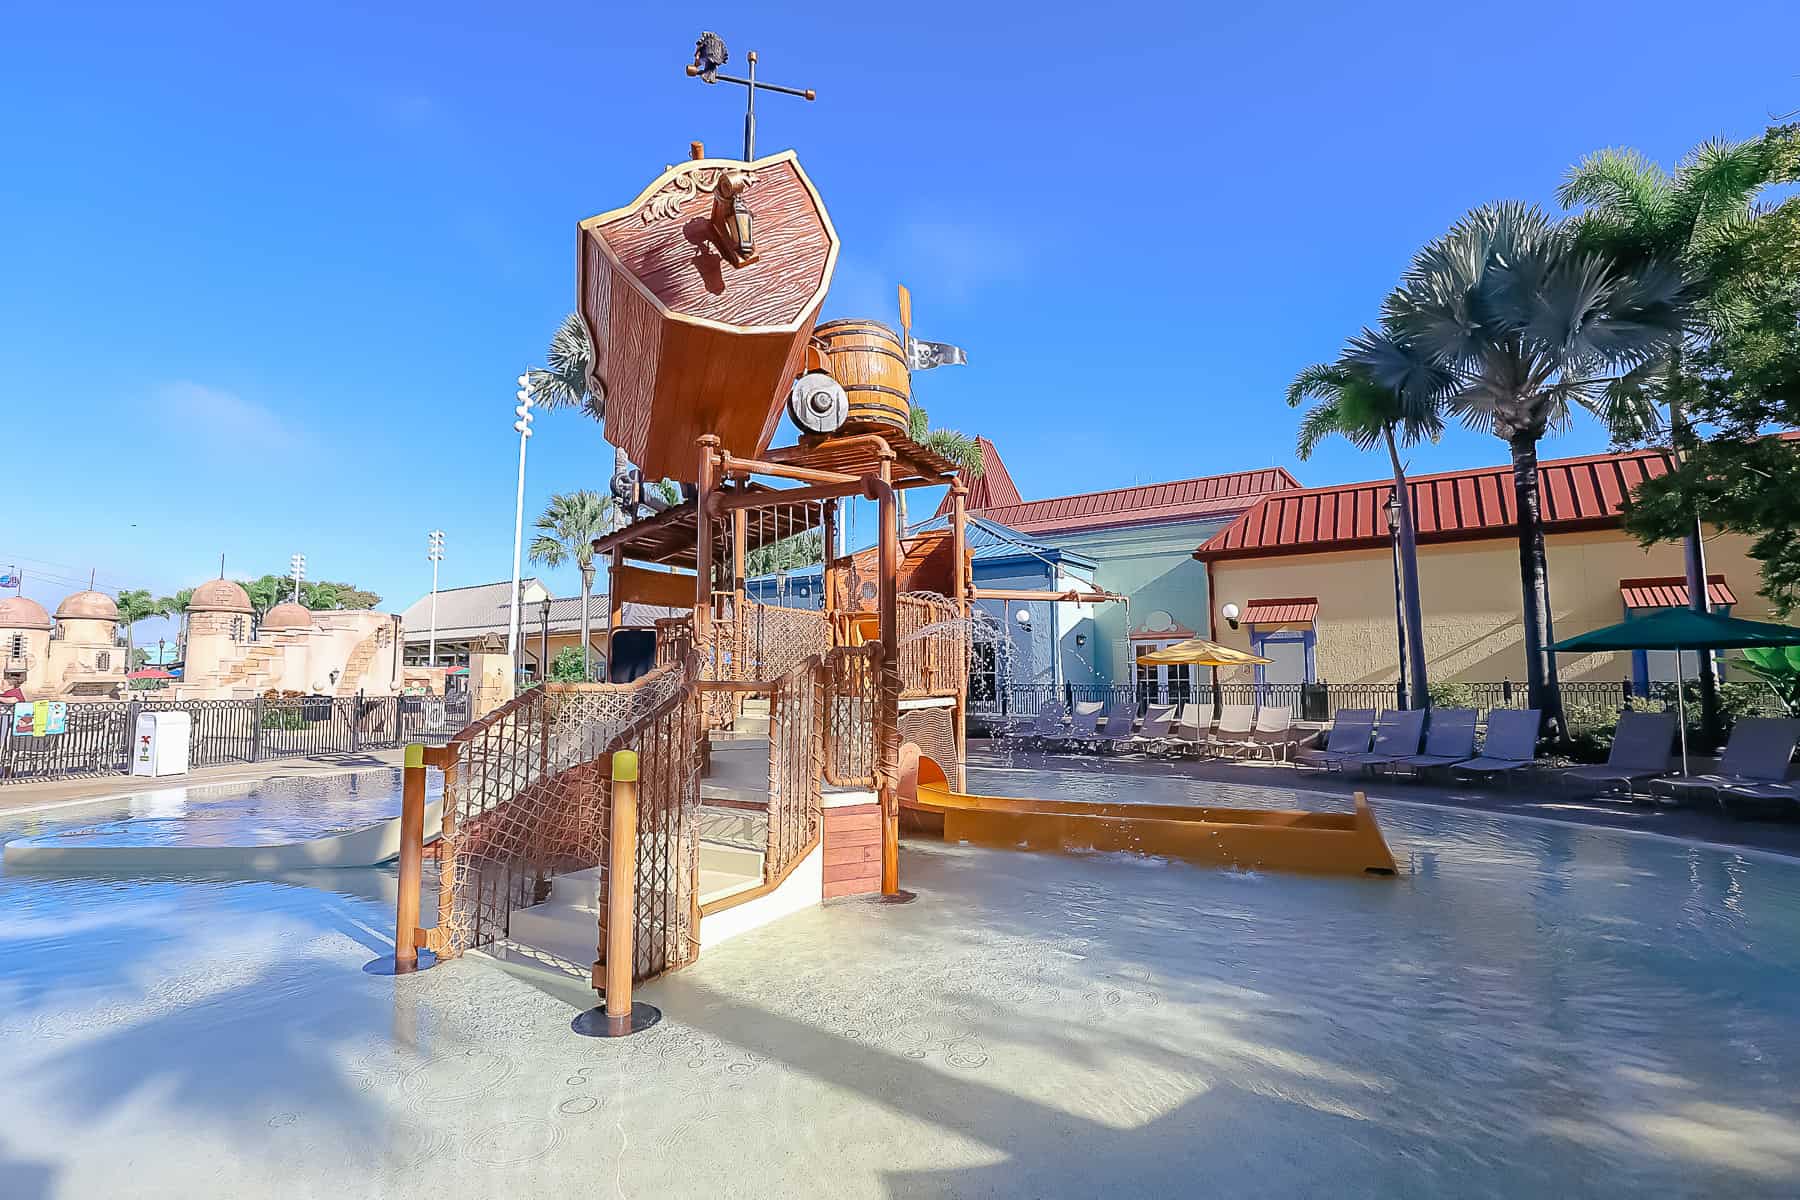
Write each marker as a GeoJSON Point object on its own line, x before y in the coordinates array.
{"type": "Point", "coordinates": [867, 359]}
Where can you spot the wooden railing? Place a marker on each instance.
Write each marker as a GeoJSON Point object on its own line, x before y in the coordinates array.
{"type": "Point", "coordinates": [932, 645]}
{"type": "Point", "coordinates": [796, 766]}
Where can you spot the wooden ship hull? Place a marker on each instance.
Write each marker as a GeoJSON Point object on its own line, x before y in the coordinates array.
{"type": "Point", "coordinates": [691, 336]}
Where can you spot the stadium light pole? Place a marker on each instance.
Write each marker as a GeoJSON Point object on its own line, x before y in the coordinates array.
{"type": "Point", "coordinates": [523, 425]}
{"type": "Point", "coordinates": [434, 550]}
{"type": "Point", "coordinates": [297, 567]}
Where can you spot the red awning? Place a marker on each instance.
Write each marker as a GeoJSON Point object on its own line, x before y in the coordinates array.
{"type": "Point", "coordinates": [1671, 592]}
{"type": "Point", "coordinates": [1286, 611]}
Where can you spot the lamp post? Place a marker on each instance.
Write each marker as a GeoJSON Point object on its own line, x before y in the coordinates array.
{"type": "Point", "coordinates": [297, 568]}
{"type": "Point", "coordinates": [544, 638]}
{"type": "Point", "coordinates": [434, 550]}
{"type": "Point", "coordinates": [1392, 510]}
{"type": "Point", "coordinates": [523, 425]}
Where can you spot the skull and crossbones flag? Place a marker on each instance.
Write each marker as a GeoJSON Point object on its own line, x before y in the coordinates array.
{"type": "Point", "coordinates": [922, 355]}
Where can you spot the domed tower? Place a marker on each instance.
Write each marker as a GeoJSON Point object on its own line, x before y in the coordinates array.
{"type": "Point", "coordinates": [218, 628]}
{"type": "Point", "coordinates": [84, 649]}
{"type": "Point", "coordinates": [287, 615]}
{"type": "Point", "coordinates": [24, 645]}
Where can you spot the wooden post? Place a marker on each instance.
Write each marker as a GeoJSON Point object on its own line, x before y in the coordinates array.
{"type": "Point", "coordinates": [959, 541]}
{"type": "Point", "coordinates": [615, 606]}
{"type": "Point", "coordinates": [887, 559]}
{"type": "Point", "coordinates": [412, 854]}
{"type": "Point", "coordinates": [621, 891]}
{"type": "Point", "coordinates": [705, 480]}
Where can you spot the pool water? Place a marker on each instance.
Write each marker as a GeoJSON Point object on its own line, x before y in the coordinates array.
{"type": "Point", "coordinates": [1530, 1009]}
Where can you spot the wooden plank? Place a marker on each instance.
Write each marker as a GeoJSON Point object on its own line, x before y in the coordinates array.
{"type": "Point", "coordinates": [855, 837]}
{"type": "Point", "coordinates": [843, 871]}
{"type": "Point", "coordinates": [851, 813]}
{"type": "Point", "coordinates": [837, 856]}
{"type": "Point", "coordinates": [852, 887]}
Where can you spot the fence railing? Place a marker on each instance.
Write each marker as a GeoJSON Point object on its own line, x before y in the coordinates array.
{"type": "Point", "coordinates": [96, 738]}
{"type": "Point", "coordinates": [1584, 700]}
{"type": "Point", "coordinates": [932, 644]}
{"type": "Point", "coordinates": [796, 766]}
{"type": "Point", "coordinates": [852, 692]}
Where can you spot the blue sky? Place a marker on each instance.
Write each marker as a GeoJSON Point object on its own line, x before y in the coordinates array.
{"type": "Point", "coordinates": [269, 273]}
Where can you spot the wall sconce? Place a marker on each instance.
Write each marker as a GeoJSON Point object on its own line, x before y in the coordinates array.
{"type": "Point", "coordinates": [1081, 639]}
{"type": "Point", "coordinates": [1023, 617]}
{"type": "Point", "coordinates": [1231, 613]}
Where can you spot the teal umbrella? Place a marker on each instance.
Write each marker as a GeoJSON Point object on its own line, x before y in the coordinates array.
{"type": "Point", "coordinates": [1682, 629]}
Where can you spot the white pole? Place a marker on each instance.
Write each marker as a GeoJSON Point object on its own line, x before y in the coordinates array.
{"type": "Point", "coordinates": [1681, 708]}
{"type": "Point", "coordinates": [523, 425]}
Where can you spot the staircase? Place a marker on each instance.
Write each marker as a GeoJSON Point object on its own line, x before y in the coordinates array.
{"type": "Point", "coordinates": [733, 827]}
{"type": "Point", "coordinates": [357, 665]}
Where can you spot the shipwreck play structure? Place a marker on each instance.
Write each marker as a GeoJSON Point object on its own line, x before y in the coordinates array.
{"type": "Point", "coordinates": [763, 763]}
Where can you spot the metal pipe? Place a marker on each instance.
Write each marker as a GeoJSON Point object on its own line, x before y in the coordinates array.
{"type": "Point", "coordinates": [751, 466]}
{"type": "Point", "coordinates": [887, 569]}
{"type": "Point", "coordinates": [412, 856]}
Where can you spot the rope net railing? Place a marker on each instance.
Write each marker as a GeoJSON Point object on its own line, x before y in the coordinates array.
{"type": "Point", "coordinates": [528, 799]}
{"type": "Point", "coordinates": [796, 766]}
{"type": "Point", "coordinates": [852, 681]}
{"type": "Point", "coordinates": [933, 645]}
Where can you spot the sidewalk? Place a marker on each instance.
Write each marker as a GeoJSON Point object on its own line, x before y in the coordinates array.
{"type": "Point", "coordinates": [16, 797]}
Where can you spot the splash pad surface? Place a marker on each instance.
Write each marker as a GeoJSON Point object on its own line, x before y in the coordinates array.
{"type": "Point", "coordinates": [1529, 1009]}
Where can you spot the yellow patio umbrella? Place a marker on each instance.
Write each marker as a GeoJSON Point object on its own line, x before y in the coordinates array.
{"type": "Point", "coordinates": [1199, 652]}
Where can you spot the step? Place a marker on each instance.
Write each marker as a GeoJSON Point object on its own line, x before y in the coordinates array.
{"type": "Point", "coordinates": [567, 924]}
{"type": "Point", "coordinates": [733, 827]}
{"type": "Point", "coordinates": [744, 729]}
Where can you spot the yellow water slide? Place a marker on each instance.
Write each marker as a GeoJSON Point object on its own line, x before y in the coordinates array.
{"type": "Point", "coordinates": [1332, 843]}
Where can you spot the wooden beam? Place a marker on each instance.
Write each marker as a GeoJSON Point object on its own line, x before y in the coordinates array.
{"type": "Point", "coordinates": [752, 466]}
{"type": "Point", "coordinates": [1071, 596]}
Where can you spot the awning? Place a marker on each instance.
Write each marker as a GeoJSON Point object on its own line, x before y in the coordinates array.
{"type": "Point", "coordinates": [1671, 592]}
{"type": "Point", "coordinates": [1287, 611]}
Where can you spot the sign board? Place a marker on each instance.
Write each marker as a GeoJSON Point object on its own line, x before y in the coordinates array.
{"type": "Point", "coordinates": [636, 584]}
{"type": "Point", "coordinates": [40, 718]}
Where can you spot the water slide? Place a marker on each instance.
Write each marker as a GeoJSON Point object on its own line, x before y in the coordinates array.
{"type": "Point", "coordinates": [1334, 843]}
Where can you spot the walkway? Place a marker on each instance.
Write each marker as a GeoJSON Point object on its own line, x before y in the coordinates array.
{"type": "Point", "coordinates": [23, 797]}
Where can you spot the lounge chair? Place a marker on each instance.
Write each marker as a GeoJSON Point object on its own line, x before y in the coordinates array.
{"type": "Point", "coordinates": [1510, 744]}
{"type": "Point", "coordinates": [1397, 736]}
{"type": "Point", "coordinates": [1760, 799]}
{"type": "Point", "coordinates": [1084, 726]}
{"type": "Point", "coordinates": [1159, 724]}
{"type": "Point", "coordinates": [1642, 746]}
{"type": "Point", "coordinates": [1188, 736]}
{"type": "Point", "coordinates": [1760, 750]}
{"type": "Point", "coordinates": [1273, 731]}
{"type": "Point", "coordinates": [1115, 730]}
{"type": "Point", "coordinates": [1048, 725]}
{"type": "Point", "coordinates": [1349, 734]}
{"type": "Point", "coordinates": [1232, 734]}
{"type": "Point", "coordinates": [1449, 739]}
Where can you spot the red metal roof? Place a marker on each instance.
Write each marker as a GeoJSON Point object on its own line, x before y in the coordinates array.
{"type": "Point", "coordinates": [1145, 504]}
{"type": "Point", "coordinates": [1671, 592]}
{"type": "Point", "coordinates": [1576, 493]}
{"type": "Point", "coordinates": [1280, 612]}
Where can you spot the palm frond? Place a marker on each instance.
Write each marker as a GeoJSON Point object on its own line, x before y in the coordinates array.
{"type": "Point", "coordinates": [1619, 179]}
{"type": "Point", "coordinates": [564, 380]}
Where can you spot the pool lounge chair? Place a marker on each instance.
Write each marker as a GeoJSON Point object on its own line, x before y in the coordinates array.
{"type": "Point", "coordinates": [1083, 727]}
{"type": "Point", "coordinates": [1188, 736]}
{"type": "Point", "coordinates": [1642, 747]}
{"type": "Point", "coordinates": [1232, 734]}
{"type": "Point", "coordinates": [1273, 731]}
{"type": "Point", "coordinates": [1510, 744]}
{"type": "Point", "coordinates": [1760, 799]}
{"type": "Point", "coordinates": [1115, 726]}
{"type": "Point", "coordinates": [1048, 725]}
{"type": "Point", "coordinates": [1760, 751]}
{"type": "Point", "coordinates": [1159, 724]}
{"type": "Point", "coordinates": [1449, 739]}
{"type": "Point", "coordinates": [1397, 736]}
{"type": "Point", "coordinates": [1349, 734]}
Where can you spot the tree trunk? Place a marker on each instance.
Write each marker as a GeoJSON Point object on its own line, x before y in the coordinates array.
{"type": "Point", "coordinates": [1541, 682]}
{"type": "Point", "coordinates": [1694, 551]}
{"type": "Point", "coordinates": [587, 586]}
{"type": "Point", "coordinates": [1409, 578]}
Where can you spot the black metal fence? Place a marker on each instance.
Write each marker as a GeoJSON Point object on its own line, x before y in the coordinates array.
{"type": "Point", "coordinates": [1310, 701]}
{"type": "Point", "coordinates": [96, 738]}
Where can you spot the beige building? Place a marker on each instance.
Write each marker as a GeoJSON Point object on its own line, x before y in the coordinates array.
{"type": "Point", "coordinates": [1311, 573]}
{"type": "Point", "coordinates": [467, 615]}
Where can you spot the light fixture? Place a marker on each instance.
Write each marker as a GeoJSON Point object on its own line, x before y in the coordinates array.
{"type": "Point", "coordinates": [1023, 617]}
{"type": "Point", "coordinates": [1392, 508]}
{"type": "Point", "coordinates": [1231, 613]}
{"type": "Point", "coordinates": [1081, 639]}
{"type": "Point", "coordinates": [733, 224]}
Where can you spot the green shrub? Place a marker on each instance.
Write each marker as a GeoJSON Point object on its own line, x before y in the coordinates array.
{"type": "Point", "coordinates": [1452, 695]}
{"type": "Point", "coordinates": [284, 718]}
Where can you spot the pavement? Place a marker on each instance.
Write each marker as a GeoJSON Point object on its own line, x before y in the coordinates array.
{"type": "Point", "coordinates": [1541, 798]}
{"type": "Point", "coordinates": [23, 797]}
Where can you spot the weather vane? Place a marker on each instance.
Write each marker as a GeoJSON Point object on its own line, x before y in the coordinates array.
{"type": "Point", "coordinates": [710, 55]}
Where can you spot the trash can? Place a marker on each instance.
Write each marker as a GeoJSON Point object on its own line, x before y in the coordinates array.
{"type": "Point", "coordinates": [160, 746]}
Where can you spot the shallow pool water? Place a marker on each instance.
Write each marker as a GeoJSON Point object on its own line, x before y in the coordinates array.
{"type": "Point", "coordinates": [1530, 1009]}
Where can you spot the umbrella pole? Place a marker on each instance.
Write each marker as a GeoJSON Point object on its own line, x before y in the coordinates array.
{"type": "Point", "coordinates": [1681, 709]}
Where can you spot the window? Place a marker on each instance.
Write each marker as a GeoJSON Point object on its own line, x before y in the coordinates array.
{"type": "Point", "coordinates": [1165, 684]}
{"type": "Point", "coordinates": [239, 630]}
{"type": "Point", "coordinates": [984, 673]}
{"type": "Point", "coordinates": [16, 647]}
{"type": "Point", "coordinates": [103, 660]}
{"type": "Point", "coordinates": [1289, 661]}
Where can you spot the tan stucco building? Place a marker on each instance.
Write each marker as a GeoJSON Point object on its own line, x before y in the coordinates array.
{"type": "Point", "coordinates": [1311, 572]}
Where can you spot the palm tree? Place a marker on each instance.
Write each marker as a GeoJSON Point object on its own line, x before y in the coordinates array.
{"type": "Point", "coordinates": [1634, 213]}
{"type": "Point", "coordinates": [176, 606]}
{"type": "Point", "coordinates": [959, 448]}
{"type": "Point", "coordinates": [564, 381]}
{"type": "Point", "coordinates": [1527, 326]}
{"type": "Point", "coordinates": [567, 529]}
{"type": "Point", "coordinates": [134, 605]}
{"type": "Point", "coordinates": [1353, 406]}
